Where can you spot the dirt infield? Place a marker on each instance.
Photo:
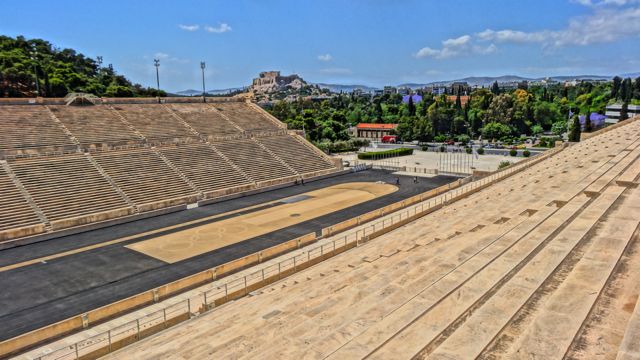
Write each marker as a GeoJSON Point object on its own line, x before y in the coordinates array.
{"type": "Point", "coordinates": [188, 243]}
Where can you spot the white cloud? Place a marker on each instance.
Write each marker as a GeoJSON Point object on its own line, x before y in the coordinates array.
{"type": "Point", "coordinates": [189, 27]}
{"type": "Point", "coordinates": [160, 55]}
{"type": "Point", "coordinates": [604, 25]}
{"type": "Point", "coordinates": [457, 42]}
{"type": "Point", "coordinates": [325, 57]}
{"type": "Point", "coordinates": [459, 46]}
{"type": "Point", "coordinates": [514, 36]}
{"type": "Point", "coordinates": [336, 71]}
{"type": "Point", "coordinates": [605, 2]}
{"type": "Point", "coordinates": [222, 28]}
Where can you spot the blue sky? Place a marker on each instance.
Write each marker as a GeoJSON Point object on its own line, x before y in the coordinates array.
{"type": "Point", "coordinates": [374, 42]}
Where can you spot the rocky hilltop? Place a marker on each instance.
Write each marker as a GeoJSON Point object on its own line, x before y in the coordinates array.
{"type": "Point", "coordinates": [271, 85]}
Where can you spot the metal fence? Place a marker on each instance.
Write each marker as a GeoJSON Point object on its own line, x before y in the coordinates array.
{"type": "Point", "coordinates": [149, 324]}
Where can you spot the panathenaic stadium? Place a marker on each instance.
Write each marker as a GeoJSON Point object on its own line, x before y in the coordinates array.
{"type": "Point", "coordinates": [131, 229]}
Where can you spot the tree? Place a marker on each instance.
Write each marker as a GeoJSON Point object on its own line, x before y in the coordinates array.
{"type": "Point", "coordinates": [587, 122]}
{"type": "Point", "coordinates": [615, 87]}
{"type": "Point", "coordinates": [500, 110]}
{"type": "Point", "coordinates": [495, 130]}
{"type": "Point", "coordinates": [495, 88]}
{"type": "Point", "coordinates": [411, 106]}
{"type": "Point", "coordinates": [624, 111]}
{"type": "Point", "coordinates": [59, 71]}
{"type": "Point", "coordinates": [537, 129]}
{"type": "Point", "coordinates": [626, 90]}
{"type": "Point", "coordinates": [545, 114]}
{"type": "Point", "coordinates": [574, 131]}
{"type": "Point", "coordinates": [559, 127]}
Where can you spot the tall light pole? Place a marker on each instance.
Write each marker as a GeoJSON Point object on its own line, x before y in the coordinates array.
{"type": "Point", "coordinates": [202, 66]}
{"type": "Point", "coordinates": [34, 57]}
{"type": "Point", "coordinates": [156, 63]}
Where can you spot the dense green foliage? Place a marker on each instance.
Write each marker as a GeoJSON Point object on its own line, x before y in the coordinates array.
{"type": "Point", "coordinates": [342, 146]}
{"type": "Point", "coordinates": [495, 113]}
{"type": "Point", "coordinates": [59, 71]}
{"type": "Point", "coordinates": [385, 154]}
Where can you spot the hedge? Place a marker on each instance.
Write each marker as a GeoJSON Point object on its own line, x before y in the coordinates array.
{"type": "Point", "coordinates": [385, 154]}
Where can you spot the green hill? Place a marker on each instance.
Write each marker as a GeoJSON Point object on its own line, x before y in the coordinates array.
{"type": "Point", "coordinates": [59, 71]}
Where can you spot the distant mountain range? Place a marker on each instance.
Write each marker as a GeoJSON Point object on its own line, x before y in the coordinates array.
{"type": "Point", "coordinates": [191, 92]}
{"type": "Point", "coordinates": [472, 80]}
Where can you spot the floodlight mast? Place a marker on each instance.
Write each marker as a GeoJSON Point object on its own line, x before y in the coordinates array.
{"type": "Point", "coordinates": [202, 66]}
{"type": "Point", "coordinates": [156, 63]}
{"type": "Point", "coordinates": [34, 57]}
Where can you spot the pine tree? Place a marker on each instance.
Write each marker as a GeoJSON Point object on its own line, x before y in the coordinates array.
{"type": "Point", "coordinates": [587, 122]}
{"type": "Point", "coordinates": [574, 130]}
{"type": "Point", "coordinates": [458, 102]}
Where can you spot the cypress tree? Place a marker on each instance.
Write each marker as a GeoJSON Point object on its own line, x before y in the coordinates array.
{"type": "Point", "coordinates": [624, 112]}
{"type": "Point", "coordinates": [574, 131]}
{"type": "Point", "coordinates": [615, 87]}
{"type": "Point", "coordinates": [495, 88]}
{"type": "Point", "coordinates": [411, 106]}
{"type": "Point", "coordinates": [587, 122]}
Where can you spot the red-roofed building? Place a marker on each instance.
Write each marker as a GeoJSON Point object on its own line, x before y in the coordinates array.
{"type": "Point", "coordinates": [374, 131]}
{"type": "Point", "coordinates": [463, 99]}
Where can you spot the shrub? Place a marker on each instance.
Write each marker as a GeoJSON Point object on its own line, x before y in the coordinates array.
{"type": "Point", "coordinates": [503, 164]}
{"type": "Point", "coordinates": [526, 153]}
{"type": "Point", "coordinates": [480, 151]}
{"type": "Point", "coordinates": [468, 150]}
{"type": "Point", "coordinates": [440, 138]}
{"type": "Point", "coordinates": [513, 152]}
{"type": "Point", "coordinates": [342, 146]}
{"type": "Point", "coordinates": [385, 154]}
{"type": "Point", "coordinates": [464, 138]}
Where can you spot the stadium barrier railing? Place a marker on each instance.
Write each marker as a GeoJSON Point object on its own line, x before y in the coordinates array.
{"type": "Point", "coordinates": [133, 331]}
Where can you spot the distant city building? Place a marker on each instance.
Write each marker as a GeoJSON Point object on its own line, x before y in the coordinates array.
{"type": "Point", "coordinates": [460, 88]}
{"type": "Point", "coordinates": [438, 90]}
{"type": "Point", "coordinates": [404, 90]}
{"type": "Point", "coordinates": [390, 90]}
{"type": "Point", "coordinates": [415, 97]}
{"type": "Point", "coordinates": [613, 112]}
{"type": "Point", "coordinates": [374, 131]}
